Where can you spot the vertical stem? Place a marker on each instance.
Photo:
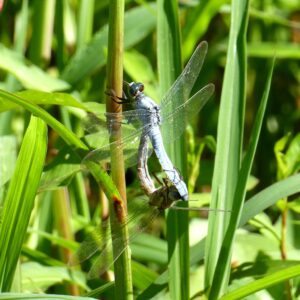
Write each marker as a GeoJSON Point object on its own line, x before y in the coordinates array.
{"type": "Point", "coordinates": [43, 19]}
{"type": "Point", "coordinates": [169, 67]}
{"type": "Point", "coordinates": [123, 277]}
{"type": "Point", "coordinates": [62, 219]}
{"type": "Point", "coordinates": [283, 251]}
{"type": "Point", "coordinates": [85, 22]}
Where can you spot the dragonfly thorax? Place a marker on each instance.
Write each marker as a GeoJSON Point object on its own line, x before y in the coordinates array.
{"type": "Point", "coordinates": [151, 115]}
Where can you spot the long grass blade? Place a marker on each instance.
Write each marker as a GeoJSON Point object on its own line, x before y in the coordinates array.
{"type": "Point", "coordinates": [263, 283]}
{"type": "Point", "coordinates": [229, 138]}
{"type": "Point", "coordinates": [239, 196]}
{"type": "Point", "coordinates": [169, 68]}
{"type": "Point", "coordinates": [20, 197]}
{"type": "Point", "coordinates": [64, 132]}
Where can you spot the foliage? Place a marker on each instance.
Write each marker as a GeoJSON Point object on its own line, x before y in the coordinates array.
{"type": "Point", "coordinates": [53, 56]}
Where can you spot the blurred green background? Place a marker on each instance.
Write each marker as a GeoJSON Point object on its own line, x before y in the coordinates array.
{"type": "Point", "coordinates": [61, 46]}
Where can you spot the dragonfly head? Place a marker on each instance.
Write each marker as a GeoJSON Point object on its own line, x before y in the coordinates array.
{"type": "Point", "coordinates": [135, 88]}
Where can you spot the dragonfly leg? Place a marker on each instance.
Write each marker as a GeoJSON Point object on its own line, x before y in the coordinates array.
{"type": "Point", "coordinates": [115, 98]}
{"type": "Point", "coordinates": [157, 179]}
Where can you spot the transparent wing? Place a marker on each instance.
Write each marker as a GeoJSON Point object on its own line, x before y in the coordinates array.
{"type": "Point", "coordinates": [106, 259]}
{"type": "Point", "coordinates": [98, 242]}
{"type": "Point", "coordinates": [174, 124]}
{"type": "Point", "coordinates": [183, 85]}
{"type": "Point", "coordinates": [101, 130]}
{"type": "Point", "coordinates": [179, 93]}
{"type": "Point", "coordinates": [129, 120]}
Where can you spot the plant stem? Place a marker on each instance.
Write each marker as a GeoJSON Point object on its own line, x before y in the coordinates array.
{"type": "Point", "coordinates": [40, 47]}
{"type": "Point", "coordinates": [169, 67]}
{"type": "Point", "coordinates": [123, 277]}
{"type": "Point", "coordinates": [62, 213]}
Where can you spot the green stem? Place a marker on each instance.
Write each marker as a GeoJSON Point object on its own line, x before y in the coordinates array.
{"type": "Point", "coordinates": [169, 67]}
{"type": "Point", "coordinates": [122, 266]}
{"type": "Point", "coordinates": [40, 47]}
{"type": "Point", "coordinates": [62, 214]}
{"type": "Point", "coordinates": [85, 26]}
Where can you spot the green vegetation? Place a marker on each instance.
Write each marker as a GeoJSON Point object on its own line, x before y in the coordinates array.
{"type": "Point", "coordinates": [240, 156]}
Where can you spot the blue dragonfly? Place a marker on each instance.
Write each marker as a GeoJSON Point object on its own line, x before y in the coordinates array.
{"type": "Point", "coordinates": [145, 121]}
{"type": "Point", "coordinates": [141, 132]}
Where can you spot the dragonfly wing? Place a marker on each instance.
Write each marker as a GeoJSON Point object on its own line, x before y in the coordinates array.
{"type": "Point", "coordinates": [101, 130]}
{"type": "Point", "coordinates": [126, 148]}
{"type": "Point", "coordinates": [181, 88]}
{"type": "Point", "coordinates": [99, 241]}
{"type": "Point", "coordinates": [108, 121]}
{"type": "Point", "coordinates": [174, 124]}
{"type": "Point", "coordinates": [180, 92]}
{"type": "Point", "coordinates": [95, 241]}
{"type": "Point", "coordinates": [106, 259]}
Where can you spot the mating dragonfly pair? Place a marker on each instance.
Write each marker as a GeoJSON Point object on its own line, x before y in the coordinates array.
{"type": "Point", "coordinates": [144, 124]}
{"type": "Point", "coordinates": [141, 131]}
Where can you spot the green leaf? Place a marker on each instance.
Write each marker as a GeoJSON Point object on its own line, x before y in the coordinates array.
{"type": "Point", "coordinates": [19, 296]}
{"type": "Point", "coordinates": [229, 141]}
{"type": "Point", "coordinates": [37, 277]}
{"type": "Point", "coordinates": [65, 133]}
{"type": "Point", "coordinates": [61, 169]}
{"type": "Point", "coordinates": [197, 22]}
{"type": "Point", "coordinates": [279, 147]}
{"type": "Point", "coordinates": [28, 74]}
{"type": "Point", "coordinates": [42, 98]}
{"type": "Point", "coordinates": [280, 50]}
{"type": "Point", "coordinates": [288, 163]}
{"type": "Point", "coordinates": [94, 55]}
{"type": "Point", "coordinates": [20, 197]}
{"type": "Point", "coordinates": [169, 68]}
{"type": "Point", "coordinates": [240, 193]}
{"type": "Point", "coordinates": [8, 154]}
{"type": "Point", "coordinates": [149, 248]}
{"type": "Point", "coordinates": [263, 283]}
{"type": "Point", "coordinates": [142, 276]}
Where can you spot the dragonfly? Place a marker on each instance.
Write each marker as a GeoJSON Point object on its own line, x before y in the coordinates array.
{"type": "Point", "coordinates": [145, 121]}
{"type": "Point", "coordinates": [139, 127]}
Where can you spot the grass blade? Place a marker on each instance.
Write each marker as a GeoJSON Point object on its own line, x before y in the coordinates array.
{"type": "Point", "coordinates": [239, 196]}
{"type": "Point", "coordinates": [20, 197]}
{"type": "Point", "coordinates": [263, 283]}
{"type": "Point", "coordinates": [94, 55]}
{"type": "Point", "coordinates": [169, 68]}
{"type": "Point", "coordinates": [64, 132]}
{"type": "Point", "coordinates": [229, 138]}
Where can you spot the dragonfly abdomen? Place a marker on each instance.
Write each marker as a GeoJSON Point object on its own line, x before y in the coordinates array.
{"type": "Point", "coordinates": [165, 162]}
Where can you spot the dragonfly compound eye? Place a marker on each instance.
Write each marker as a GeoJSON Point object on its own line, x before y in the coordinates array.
{"type": "Point", "coordinates": [141, 87]}
{"type": "Point", "coordinates": [135, 88]}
